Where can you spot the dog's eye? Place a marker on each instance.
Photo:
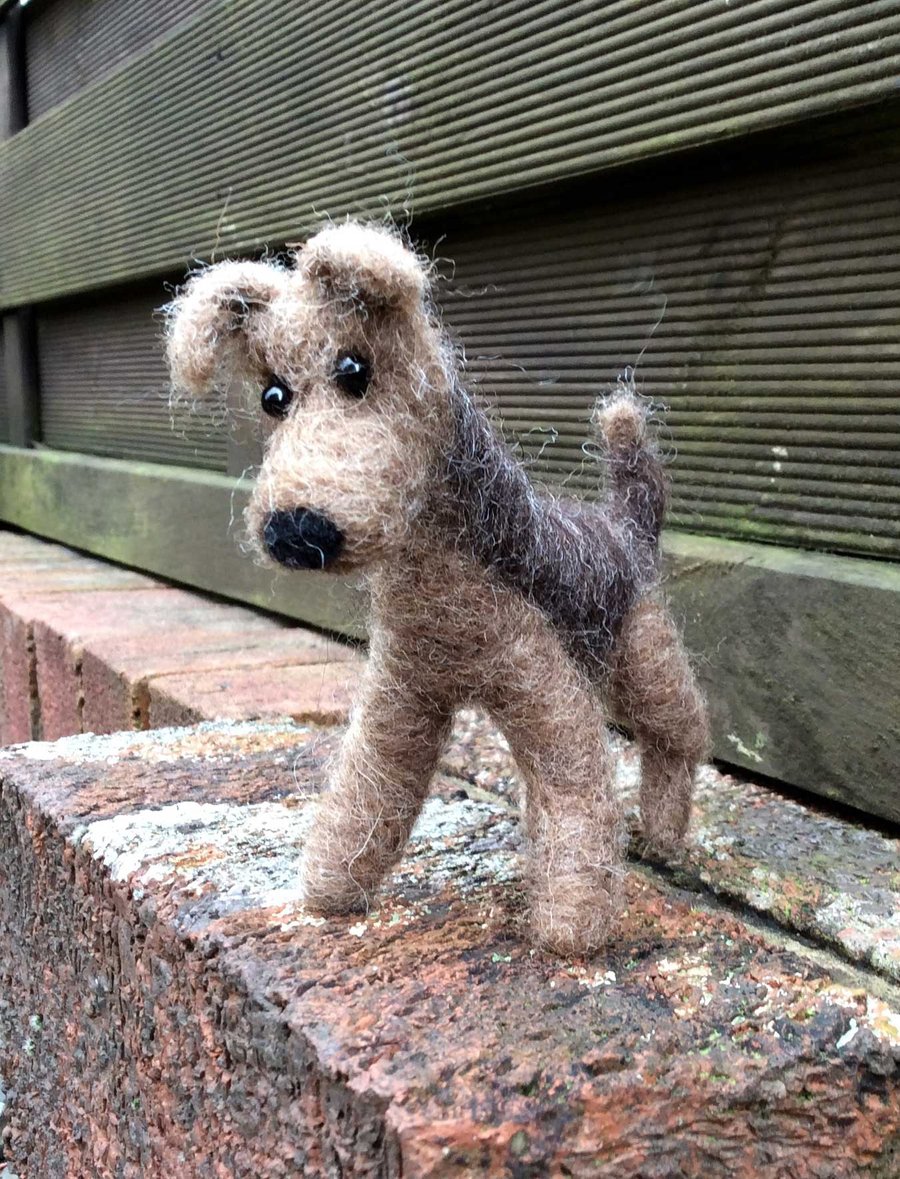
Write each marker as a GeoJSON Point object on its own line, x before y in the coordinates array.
{"type": "Point", "coordinates": [276, 399]}
{"type": "Point", "coordinates": [351, 374]}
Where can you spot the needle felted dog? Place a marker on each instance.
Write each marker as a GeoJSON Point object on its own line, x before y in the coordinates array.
{"type": "Point", "coordinates": [543, 610]}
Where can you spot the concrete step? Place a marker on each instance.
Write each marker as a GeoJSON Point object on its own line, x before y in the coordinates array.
{"type": "Point", "coordinates": [168, 1007]}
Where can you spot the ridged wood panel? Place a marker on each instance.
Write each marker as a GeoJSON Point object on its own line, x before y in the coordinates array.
{"type": "Point", "coordinates": [71, 43]}
{"type": "Point", "coordinates": [244, 125]}
{"type": "Point", "coordinates": [762, 309]}
{"type": "Point", "coordinates": [104, 386]}
{"type": "Point", "coordinates": [4, 405]}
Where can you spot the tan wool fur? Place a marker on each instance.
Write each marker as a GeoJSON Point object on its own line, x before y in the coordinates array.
{"type": "Point", "coordinates": [544, 610]}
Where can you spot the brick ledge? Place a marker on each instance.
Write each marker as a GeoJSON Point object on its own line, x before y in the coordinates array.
{"type": "Point", "coordinates": [170, 1008]}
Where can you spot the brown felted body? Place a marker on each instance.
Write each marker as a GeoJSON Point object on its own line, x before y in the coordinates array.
{"type": "Point", "coordinates": [543, 610]}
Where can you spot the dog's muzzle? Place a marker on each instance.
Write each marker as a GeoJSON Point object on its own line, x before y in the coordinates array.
{"type": "Point", "coordinates": [302, 539]}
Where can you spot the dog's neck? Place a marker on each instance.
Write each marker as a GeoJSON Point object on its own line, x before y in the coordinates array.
{"type": "Point", "coordinates": [486, 499]}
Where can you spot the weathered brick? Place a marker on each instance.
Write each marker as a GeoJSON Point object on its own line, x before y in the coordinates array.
{"type": "Point", "coordinates": [319, 693]}
{"type": "Point", "coordinates": [169, 1008]}
{"type": "Point", "coordinates": [61, 625]}
{"type": "Point", "coordinates": [20, 546]}
{"type": "Point", "coordinates": [66, 625]}
{"type": "Point", "coordinates": [92, 649]}
{"type": "Point", "coordinates": [18, 687]}
{"type": "Point", "coordinates": [817, 873]}
{"type": "Point", "coordinates": [58, 669]}
{"type": "Point", "coordinates": [29, 564]}
{"type": "Point", "coordinates": [68, 577]}
{"type": "Point", "coordinates": [116, 671]}
{"type": "Point", "coordinates": [32, 570]}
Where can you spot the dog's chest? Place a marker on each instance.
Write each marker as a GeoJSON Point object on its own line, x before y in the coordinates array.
{"type": "Point", "coordinates": [459, 625]}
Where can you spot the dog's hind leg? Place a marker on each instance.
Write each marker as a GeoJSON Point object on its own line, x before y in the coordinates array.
{"type": "Point", "coordinates": [556, 728]}
{"type": "Point", "coordinates": [380, 781]}
{"type": "Point", "coordinates": [654, 694]}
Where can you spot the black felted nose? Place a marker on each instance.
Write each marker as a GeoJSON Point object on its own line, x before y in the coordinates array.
{"type": "Point", "coordinates": [302, 539]}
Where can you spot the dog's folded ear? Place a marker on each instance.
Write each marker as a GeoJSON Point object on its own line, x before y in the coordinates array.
{"type": "Point", "coordinates": [366, 264]}
{"type": "Point", "coordinates": [214, 307]}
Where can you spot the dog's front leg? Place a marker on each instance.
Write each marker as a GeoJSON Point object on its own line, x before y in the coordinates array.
{"type": "Point", "coordinates": [379, 783]}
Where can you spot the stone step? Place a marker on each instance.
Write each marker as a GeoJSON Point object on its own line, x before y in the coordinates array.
{"type": "Point", "coordinates": [169, 1008]}
{"type": "Point", "coordinates": [88, 647]}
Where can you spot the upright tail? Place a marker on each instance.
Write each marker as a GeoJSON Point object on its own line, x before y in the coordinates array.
{"type": "Point", "coordinates": [637, 481]}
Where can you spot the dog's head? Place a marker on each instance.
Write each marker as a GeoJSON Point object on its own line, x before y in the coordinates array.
{"type": "Point", "coordinates": [346, 364]}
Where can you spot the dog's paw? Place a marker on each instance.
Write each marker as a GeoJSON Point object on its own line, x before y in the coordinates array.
{"type": "Point", "coordinates": [574, 926]}
{"type": "Point", "coordinates": [332, 894]}
{"type": "Point", "coordinates": [660, 845]}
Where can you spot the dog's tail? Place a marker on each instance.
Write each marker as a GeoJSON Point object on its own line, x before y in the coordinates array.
{"type": "Point", "coordinates": [637, 482]}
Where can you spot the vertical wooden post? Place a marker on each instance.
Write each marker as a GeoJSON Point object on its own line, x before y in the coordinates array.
{"type": "Point", "coordinates": [19, 337]}
{"type": "Point", "coordinates": [22, 390]}
{"type": "Point", "coordinates": [13, 69]}
{"type": "Point", "coordinates": [5, 104]}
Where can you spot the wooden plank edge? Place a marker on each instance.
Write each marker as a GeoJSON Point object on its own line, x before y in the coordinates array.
{"type": "Point", "coordinates": [798, 655]}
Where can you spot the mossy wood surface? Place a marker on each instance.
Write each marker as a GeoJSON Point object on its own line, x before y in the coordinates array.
{"type": "Point", "coordinates": [71, 44]}
{"type": "Point", "coordinates": [4, 405]}
{"type": "Point", "coordinates": [13, 96]}
{"type": "Point", "coordinates": [759, 301]}
{"type": "Point", "coordinates": [181, 524]}
{"type": "Point", "coordinates": [21, 394]}
{"type": "Point", "coordinates": [797, 652]}
{"type": "Point", "coordinates": [4, 82]}
{"type": "Point", "coordinates": [253, 117]}
{"type": "Point", "coordinates": [105, 385]}
{"type": "Point", "coordinates": [799, 655]}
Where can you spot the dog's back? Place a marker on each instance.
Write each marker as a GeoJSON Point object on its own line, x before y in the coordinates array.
{"type": "Point", "coordinates": [583, 565]}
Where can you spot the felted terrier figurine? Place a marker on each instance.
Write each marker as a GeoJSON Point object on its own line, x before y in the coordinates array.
{"type": "Point", "coordinates": [483, 591]}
